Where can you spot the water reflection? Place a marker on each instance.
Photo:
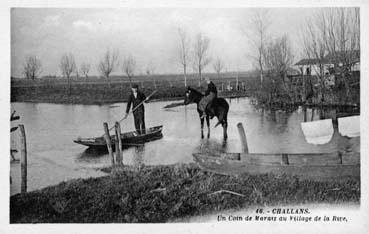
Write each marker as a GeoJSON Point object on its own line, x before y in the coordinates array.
{"type": "Point", "coordinates": [212, 146]}
{"type": "Point", "coordinates": [138, 156]}
{"type": "Point", "coordinates": [91, 152]}
{"type": "Point", "coordinates": [320, 113]}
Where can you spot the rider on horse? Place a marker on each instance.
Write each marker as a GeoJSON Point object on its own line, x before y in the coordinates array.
{"type": "Point", "coordinates": [210, 94]}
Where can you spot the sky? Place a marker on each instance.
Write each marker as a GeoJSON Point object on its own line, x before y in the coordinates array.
{"type": "Point", "coordinates": [150, 35]}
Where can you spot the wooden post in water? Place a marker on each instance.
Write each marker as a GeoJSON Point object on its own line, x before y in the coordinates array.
{"type": "Point", "coordinates": [118, 144]}
{"type": "Point", "coordinates": [241, 131]}
{"type": "Point", "coordinates": [108, 143]}
{"type": "Point", "coordinates": [117, 151]}
{"type": "Point", "coordinates": [340, 157]}
{"type": "Point", "coordinates": [23, 158]}
{"type": "Point", "coordinates": [303, 87]}
{"type": "Point", "coordinates": [285, 159]}
{"type": "Point", "coordinates": [237, 81]}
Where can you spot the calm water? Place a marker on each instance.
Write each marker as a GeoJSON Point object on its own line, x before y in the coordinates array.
{"type": "Point", "coordinates": [54, 157]}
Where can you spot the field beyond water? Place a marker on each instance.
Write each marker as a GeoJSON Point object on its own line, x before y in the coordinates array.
{"type": "Point", "coordinates": [167, 193]}
{"type": "Point", "coordinates": [100, 91]}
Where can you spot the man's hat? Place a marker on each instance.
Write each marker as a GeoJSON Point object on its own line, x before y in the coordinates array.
{"type": "Point", "coordinates": [135, 86]}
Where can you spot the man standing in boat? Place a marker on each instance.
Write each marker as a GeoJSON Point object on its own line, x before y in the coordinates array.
{"type": "Point", "coordinates": [210, 94]}
{"type": "Point", "coordinates": [136, 99]}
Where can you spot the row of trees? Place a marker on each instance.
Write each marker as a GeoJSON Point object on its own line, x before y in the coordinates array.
{"type": "Point", "coordinates": [195, 54]}
{"type": "Point", "coordinates": [68, 66]}
{"type": "Point", "coordinates": [110, 61]}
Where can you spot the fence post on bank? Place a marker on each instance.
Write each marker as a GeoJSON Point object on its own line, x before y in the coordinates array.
{"type": "Point", "coordinates": [23, 158]}
{"type": "Point", "coordinates": [108, 143]}
{"type": "Point", "coordinates": [241, 131]}
{"type": "Point", "coordinates": [118, 144]}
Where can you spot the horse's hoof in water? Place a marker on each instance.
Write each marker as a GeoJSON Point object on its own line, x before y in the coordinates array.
{"type": "Point", "coordinates": [208, 135]}
{"type": "Point", "coordinates": [202, 136]}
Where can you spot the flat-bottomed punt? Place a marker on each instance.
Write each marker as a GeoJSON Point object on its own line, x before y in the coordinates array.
{"type": "Point", "coordinates": [128, 138]}
{"type": "Point", "coordinates": [317, 167]}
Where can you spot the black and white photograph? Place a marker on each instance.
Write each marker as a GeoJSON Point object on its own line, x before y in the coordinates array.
{"type": "Point", "coordinates": [247, 116]}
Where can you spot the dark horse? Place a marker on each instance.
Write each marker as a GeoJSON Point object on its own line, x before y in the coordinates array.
{"type": "Point", "coordinates": [219, 108]}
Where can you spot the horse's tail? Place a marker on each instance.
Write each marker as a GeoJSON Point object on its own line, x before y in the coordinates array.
{"type": "Point", "coordinates": [223, 116]}
{"type": "Point", "coordinates": [219, 122]}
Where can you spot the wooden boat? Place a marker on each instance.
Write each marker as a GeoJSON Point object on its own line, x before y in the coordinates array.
{"type": "Point", "coordinates": [311, 166]}
{"type": "Point", "coordinates": [317, 167]}
{"type": "Point", "coordinates": [128, 138]}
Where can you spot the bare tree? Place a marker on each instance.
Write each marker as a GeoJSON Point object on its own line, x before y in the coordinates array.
{"type": "Point", "coordinates": [278, 56]}
{"type": "Point", "coordinates": [85, 69]}
{"type": "Point", "coordinates": [149, 73]}
{"type": "Point", "coordinates": [129, 66]}
{"type": "Point", "coordinates": [108, 64]}
{"type": "Point", "coordinates": [334, 34]}
{"type": "Point", "coordinates": [343, 42]}
{"type": "Point", "coordinates": [343, 37]}
{"type": "Point", "coordinates": [314, 42]}
{"type": "Point", "coordinates": [32, 67]}
{"type": "Point", "coordinates": [218, 66]}
{"type": "Point", "coordinates": [258, 38]}
{"type": "Point", "coordinates": [278, 59]}
{"type": "Point", "coordinates": [184, 52]}
{"type": "Point", "coordinates": [201, 59]}
{"type": "Point", "coordinates": [67, 67]}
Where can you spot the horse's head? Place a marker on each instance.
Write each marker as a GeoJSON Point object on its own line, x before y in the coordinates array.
{"type": "Point", "coordinates": [190, 96]}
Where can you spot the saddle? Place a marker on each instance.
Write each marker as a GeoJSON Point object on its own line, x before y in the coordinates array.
{"type": "Point", "coordinates": [209, 109]}
{"type": "Point", "coordinates": [206, 104]}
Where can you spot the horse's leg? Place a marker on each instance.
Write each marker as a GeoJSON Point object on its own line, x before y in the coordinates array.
{"type": "Point", "coordinates": [225, 126]}
{"type": "Point", "coordinates": [202, 126]}
{"type": "Point", "coordinates": [208, 124]}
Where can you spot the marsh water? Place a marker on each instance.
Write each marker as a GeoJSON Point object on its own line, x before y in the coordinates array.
{"type": "Point", "coordinates": [53, 157]}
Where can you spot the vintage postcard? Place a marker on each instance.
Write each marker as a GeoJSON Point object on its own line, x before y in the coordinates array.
{"type": "Point", "coordinates": [199, 117]}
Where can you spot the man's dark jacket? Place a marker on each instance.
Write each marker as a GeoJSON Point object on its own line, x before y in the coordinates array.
{"type": "Point", "coordinates": [135, 101]}
{"type": "Point", "coordinates": [211, 88]}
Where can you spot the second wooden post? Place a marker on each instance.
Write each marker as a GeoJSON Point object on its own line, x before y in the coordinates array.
{"type": "Point", "coordinates": [241, 131]}
{"type": "Point", "coordinates": [23, 160]}
{"type": "Point", "coordinates": [118, 144]}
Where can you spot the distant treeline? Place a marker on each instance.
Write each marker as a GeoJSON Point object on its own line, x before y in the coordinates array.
{"type": "Point", "coordinates": [143, 77]}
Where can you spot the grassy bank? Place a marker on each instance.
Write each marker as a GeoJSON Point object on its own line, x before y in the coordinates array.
{"type": "Point", "coordinates": [163, 193]}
